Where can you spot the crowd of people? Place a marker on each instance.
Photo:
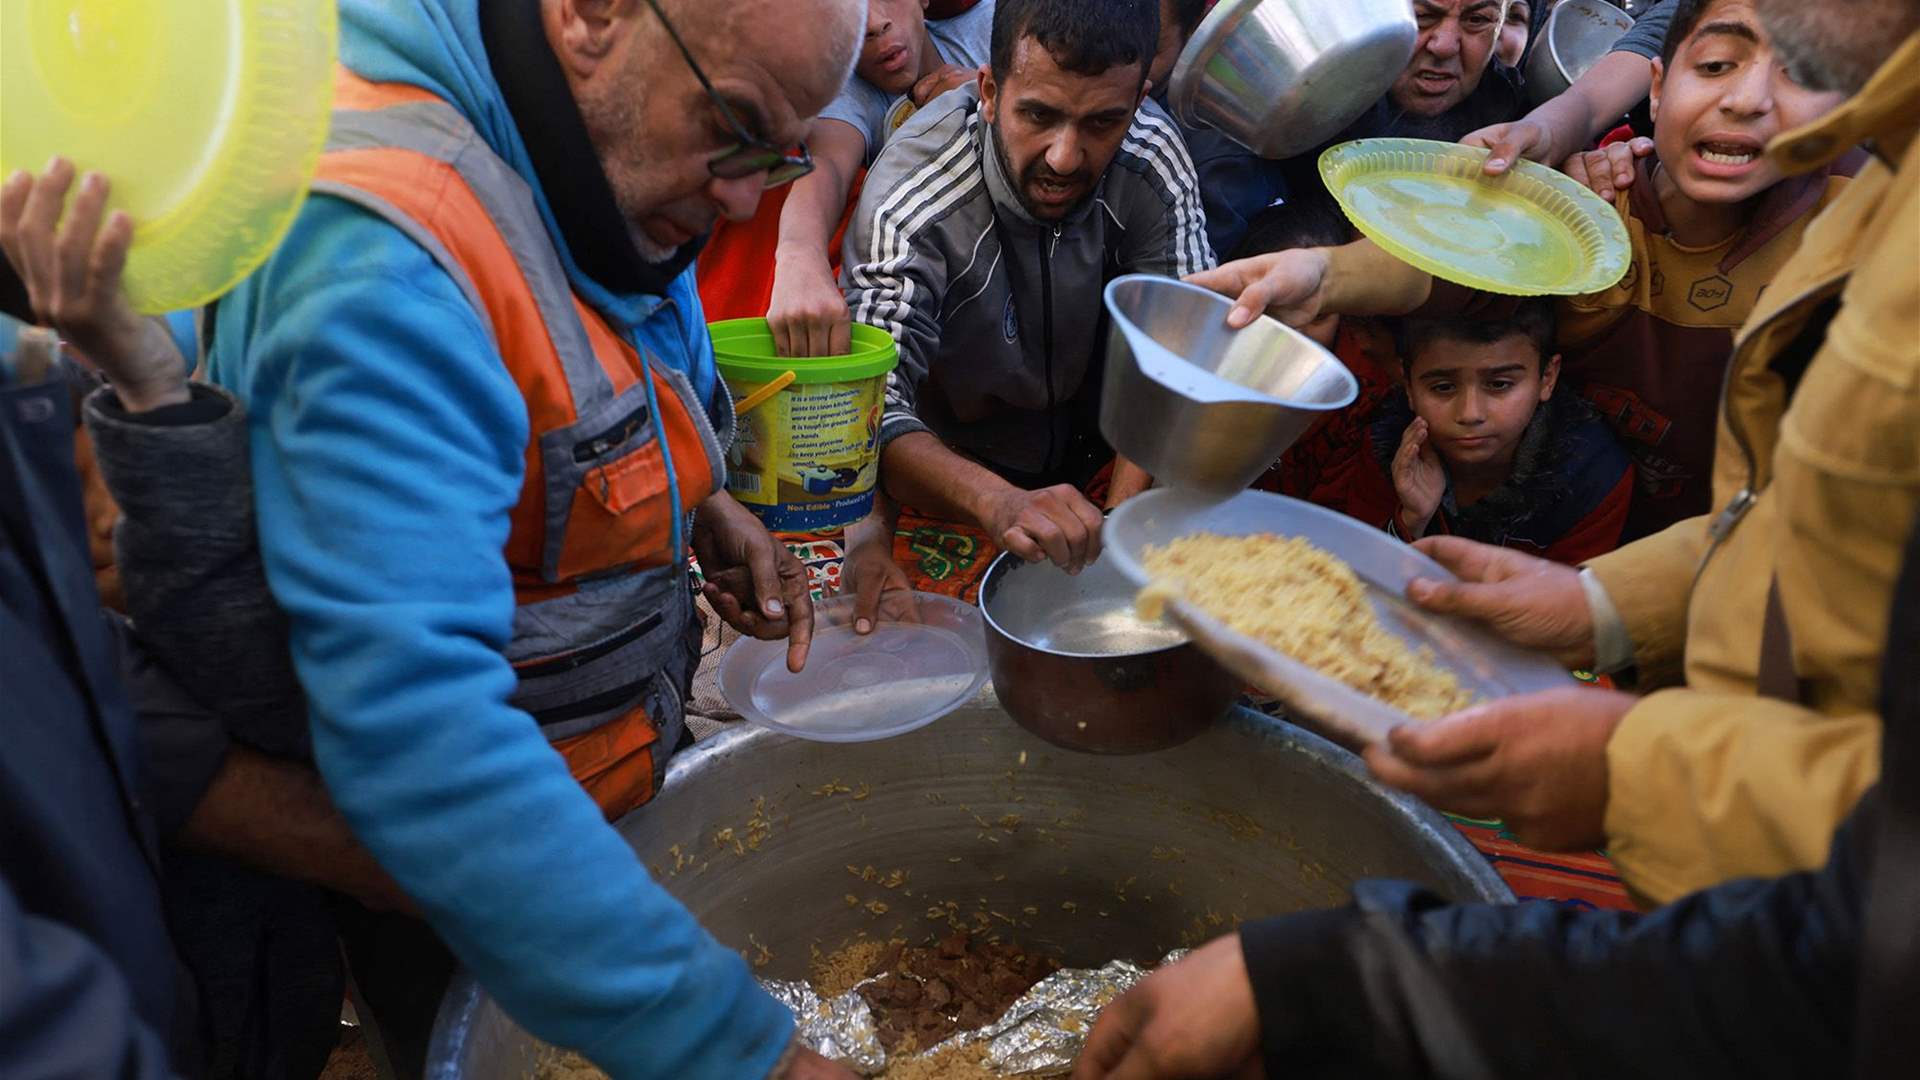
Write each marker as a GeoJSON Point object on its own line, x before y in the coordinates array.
{"type": "Point", "coordinates": [338, 618]}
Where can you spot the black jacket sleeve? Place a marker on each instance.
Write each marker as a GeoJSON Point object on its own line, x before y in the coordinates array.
{"type": "Point", "coordinates": [1750, 979]}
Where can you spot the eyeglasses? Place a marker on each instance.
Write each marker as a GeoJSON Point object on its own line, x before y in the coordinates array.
{"type": "Point", "coordinates": [750, 153]}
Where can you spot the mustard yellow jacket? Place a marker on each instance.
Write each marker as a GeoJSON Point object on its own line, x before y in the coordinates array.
{"type": "Point", "coordinates": [1714, 779]}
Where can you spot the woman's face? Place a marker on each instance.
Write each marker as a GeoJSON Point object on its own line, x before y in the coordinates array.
{"type": "Point", "coordinates": [1513, 33]}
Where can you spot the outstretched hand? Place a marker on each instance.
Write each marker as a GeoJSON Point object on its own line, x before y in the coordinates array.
{"type": "Point", "coordinates": [1508, 144]}
{"type": "Point", "coordinates": [1194, 1018]}
{"type": "Point", "coordinates": [71, 260]}
{"type": "Point", "coordinates": [1287, 285]}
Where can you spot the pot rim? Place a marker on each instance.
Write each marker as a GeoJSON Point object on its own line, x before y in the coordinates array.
{"type": "Point", "coordinates": [992, 577]}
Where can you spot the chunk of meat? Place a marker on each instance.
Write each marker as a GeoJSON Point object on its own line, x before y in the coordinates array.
{"type": "Point", "coordinates": [958, 984]}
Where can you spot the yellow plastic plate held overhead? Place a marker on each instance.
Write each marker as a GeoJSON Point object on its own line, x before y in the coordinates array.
{"type": "Point", "coordinates": [1532, 232]}
{"type": "Point", "coordinates": [208, 117]}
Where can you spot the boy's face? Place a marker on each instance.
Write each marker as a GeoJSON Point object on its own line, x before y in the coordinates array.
{"type": "Point", "coordinates": [1724, 98]}
{"type": "Point", "coordinates": [890, 54]}
{"type": "Point", "coordinates": [1477, 398]}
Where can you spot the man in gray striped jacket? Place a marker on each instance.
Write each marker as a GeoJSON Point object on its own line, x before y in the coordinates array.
{"type": "Point", "coordinates": [984, 236]}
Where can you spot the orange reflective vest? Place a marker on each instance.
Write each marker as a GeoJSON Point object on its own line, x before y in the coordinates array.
{"type": "Point", "coordinates": [605, 637]}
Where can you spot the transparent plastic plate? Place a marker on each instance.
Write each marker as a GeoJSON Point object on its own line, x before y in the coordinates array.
{"type": "Point", "coordinates": [1484, 664]}
{"type": "Point", "coordinates": [925, 658]}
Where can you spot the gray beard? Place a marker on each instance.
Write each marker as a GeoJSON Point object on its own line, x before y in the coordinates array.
{"type": "Point", "coordinates": [649, 250]}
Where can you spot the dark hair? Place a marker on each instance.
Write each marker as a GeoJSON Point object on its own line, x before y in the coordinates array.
{"type": "Point", "coordinates": [1187, 15]}
{"type": "Point", "coordinates": [1313, 220]}
{"type": "Point", "coordinates": [1532, 319]}
{"type": "Point", "coordinates": [1686, 16]}
{"type": "Point", "coordinates": [1086, 37]}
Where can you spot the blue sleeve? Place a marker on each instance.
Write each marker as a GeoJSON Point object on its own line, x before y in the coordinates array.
{"type": "Point", "coordinates": [182, 328]}
{"type": "Point", "coordinates": [387, 442]}
{"type": "Point", "coordinates": [1649, 34]}
{"type": "Point", "coordinates": [65, 1009]}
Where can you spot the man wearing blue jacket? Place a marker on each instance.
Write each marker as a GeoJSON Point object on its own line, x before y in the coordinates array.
{"type": "Point", "coordinates": [483, 407]}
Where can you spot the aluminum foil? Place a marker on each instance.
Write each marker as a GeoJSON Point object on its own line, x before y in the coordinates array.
{"type": "Point", "coordinates": [841, 1027]}
{"type": "Point", "coordinates": [1041, 1034]}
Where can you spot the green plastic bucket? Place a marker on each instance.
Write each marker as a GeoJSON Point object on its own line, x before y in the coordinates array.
{"type": "Point", "coordinates": [804, 460]}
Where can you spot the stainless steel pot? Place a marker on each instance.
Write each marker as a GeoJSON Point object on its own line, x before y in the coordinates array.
{"type": "Point", "coordinates": [1201, 406]}
{"type": "Point", "coordinates": [1089, 857]}
{"type": "Point", "coordinates": [1280, 77]}
{"type": "Point", "coordinates": [1575, 37]}
{"type": "Point", "coordinates": [1074, 665]}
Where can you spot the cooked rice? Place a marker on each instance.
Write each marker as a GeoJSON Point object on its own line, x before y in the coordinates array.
{"type": "Point", "coordinates": [553, 1063]}
{"type": "Point", "coordinates": [953, 1063]}
{"type": "Point", "coordinates": [1305, 602]}
{"type": "Point", "coordinates": [836, 973]}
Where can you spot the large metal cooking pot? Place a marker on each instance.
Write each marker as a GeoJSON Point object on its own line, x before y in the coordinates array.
{"type": "Point", "coordinates": [1201, 406]}
{"type": "Point", "coordinates": [1280, 77]}
{"type": "Point", "coordinates": [1074, 665]}
{"type": "Point", "coordinates": [1089, 857]}
{"type": "Point", "coordinates": [1576, 36]}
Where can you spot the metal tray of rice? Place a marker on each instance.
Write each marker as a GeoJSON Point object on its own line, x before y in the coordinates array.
{"type": "Point", "coordinates": [1310, 606]}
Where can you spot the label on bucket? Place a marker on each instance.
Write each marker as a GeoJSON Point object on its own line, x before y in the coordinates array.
{"type": "Point", "coordinates": [804, 460]}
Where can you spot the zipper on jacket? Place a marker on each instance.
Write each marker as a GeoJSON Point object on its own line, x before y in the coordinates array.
{"type": "Point", "coordinates": [1737, 507]}
{"type": "Point", "coordinates": [1046, 320]}
{"type": "Point", "coordinates": [540, 669]}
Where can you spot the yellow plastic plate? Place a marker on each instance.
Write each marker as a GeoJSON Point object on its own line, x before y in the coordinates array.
{"type": "Point", "coordinates": [207, 115]}
{"type": "Point", "coordinates": [1532, 232]}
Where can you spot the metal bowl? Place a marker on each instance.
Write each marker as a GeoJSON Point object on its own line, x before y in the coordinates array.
{"type": "Point", "coordinates": [1074, 665]}
{"type": "Point", "coordinates": [1576, 36]}
{"type": "Point", "coordinates": [1089, 858]}
{"type": "Point", "coordinates": [1280, 77]}
{"type": "Point", "coordinates": [1201, 406]}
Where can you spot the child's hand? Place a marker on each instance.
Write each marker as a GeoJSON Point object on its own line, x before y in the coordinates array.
{"type": "Point", "coordinates": [1419, 479]}
{"type": "Point", "coordinates": [939, 82]}
{"type": "Point", "coordinates": [1610, 169]}
{"type": "Point", "coordinates": [72, 274]}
